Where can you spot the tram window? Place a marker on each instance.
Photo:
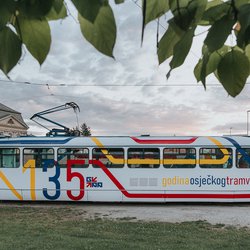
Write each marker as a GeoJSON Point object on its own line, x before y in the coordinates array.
{"type": "Point", "coordinates": [143, 157]}
{"type": "Point", "coordinates": [65, 154]}
{"type": "Point", "coordinates": [179, 157]}
{"type": "Point", "coordinates": [215, 158]}
{"type": "Point", "coordinates": [110, 157]}
{"type": "Point", "coordinates": [243, 158]}
{"type": "Point", "coordinates": [9, 158]}
{"type": "Point", "coordinates": [42, 156]}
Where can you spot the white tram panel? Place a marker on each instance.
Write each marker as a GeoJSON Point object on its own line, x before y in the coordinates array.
{"type": "Point", "coordinates": [136, 182]}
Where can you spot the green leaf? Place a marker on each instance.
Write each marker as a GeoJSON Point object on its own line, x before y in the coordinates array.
{"type": "Point", "coordinates": [89, 9]}
{"type": "Point", "coordinates": [219, 32]}
{"type": "Point", "coordinates": [144, 10]}
{"type": "Point", "coordinates": [184, 12]}
{"type": "Point", "coordinates": [239, 3]}
{"type": "Point", "coordinates": [213, 3]}
{"type": "Point", "coordinates": [58, 5]}
{"type": "Point", "coordinates": [187, 13]}
{"type": "Point", "coordinates": [213, 62]}
{"type": "Point", "coordinates": [203, 73]}
{"type": "Point", "coordinates": [58, 11]}
{"type": "Point", "coordinates": [181, 50]}
{"type": "Point", "coordinates": [10, 49]}
{"type": "Point", "coordinates": [204, 49]}
{"type": "Point", "coordinates": [197, 70]}
{"type": "Point", "coordinates": [209, 5]}
{"type": "Point", "coordinates": [7, 8]}
{"type": "Point", "coordinates": [243, 37]}
{"type": "Point", "coordinates": [209, 63]}
{"type": "Point", "coordinates": [35, 34]}
{"type": "Point", "coordinates": [200, 8]}
{"type": "Point", "coordinates": [102, 33]}
{"type": "Point", "coordinates": [215, 12]}
{"type": "Point", "coordinates": [233, 71]}
{"type": "Point", "coordinates": [247, 51]}
{"type": "Point", "coordinates": [167, 43]}
{"type": "Point", "coordinates": [4, 17]}
{"type": "Point", "coordinates": [214, 59]}
{"type": "Point", "coordinates": [155, 9]}
{"type": "Point", "coordinates": [119, 1]}
{"type": "Point", "coordinates": [34, 8]}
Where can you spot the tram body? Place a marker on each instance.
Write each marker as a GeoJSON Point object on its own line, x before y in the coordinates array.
{"type": "Point", "coordinates": [125, 169]}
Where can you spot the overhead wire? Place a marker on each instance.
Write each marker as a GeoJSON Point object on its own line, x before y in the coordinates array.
{"type": "Point", "coordinates": [48, 85]}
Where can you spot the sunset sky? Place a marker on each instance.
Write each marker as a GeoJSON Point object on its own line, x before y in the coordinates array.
{"type": "Point", "coordinates": [178, 106]}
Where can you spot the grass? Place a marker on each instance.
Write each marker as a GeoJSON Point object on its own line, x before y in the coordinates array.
{"type": "Point", "coordinates": [52, 227]}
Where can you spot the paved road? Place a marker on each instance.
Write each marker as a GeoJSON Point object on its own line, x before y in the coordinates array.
{"type": "Point", "coordinates": [228, 214]}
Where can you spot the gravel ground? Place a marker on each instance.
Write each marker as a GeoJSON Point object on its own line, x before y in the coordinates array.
{"type": "Point", "coordinates": [228, 214]}
{"type": "Point", "coordinates": [236, 215]}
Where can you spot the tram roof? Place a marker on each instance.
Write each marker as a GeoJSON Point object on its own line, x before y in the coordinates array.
{"type": "Point", "coordinates": [123, 141]}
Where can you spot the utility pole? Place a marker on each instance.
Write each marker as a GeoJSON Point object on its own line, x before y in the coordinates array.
{"type": "Point", "coordinates": [247, 121]}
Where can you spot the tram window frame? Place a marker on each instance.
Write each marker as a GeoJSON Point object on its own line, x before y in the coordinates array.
{"type": "Point", "coordinates": [40, 161]}
{"type": "Point", "coordinates": [85, 165]}
{"type": "Point", "coordinates": [17, 159]}
{"type": "Point", "coordinates": [179, 152]}
{"type": "Point", "coordinates": [109, 164]}
{"type": "Point", "coordinates": [141, 152]}
{"type": "Point", "coordinates": [245, 164]}
{"type": "Point", "coordinates": [216, 166]}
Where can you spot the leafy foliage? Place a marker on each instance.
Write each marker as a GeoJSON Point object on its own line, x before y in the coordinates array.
{"type": "Point", "coordinates": [88, 9]}
{"type": "Point", "coordinates": [233, 80]}
{"type": "Point", "coordinates": [101, 33]}
{"type": "Point", "coordinates": [10, 49]}
{"type": "Point", "coordinates": [35, 34]}
{"type": "Point", "coordinates": [155, 9]}
{"type": "Point", "coordinates": [168, 41]}
{"type": "Point", "coordinates": [181, 49]}
{"type": "Point", "coordinates": [57, 11]}
{"type": "Point", "coordinates": [27, 22]}
{"type": "Point", "coordinates": [85, 130]}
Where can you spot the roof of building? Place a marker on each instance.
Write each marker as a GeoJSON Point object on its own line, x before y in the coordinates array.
{"type": "Point", "coordinates": [6, 111]}
{"type": "Point", "coordinates": [5, 108]}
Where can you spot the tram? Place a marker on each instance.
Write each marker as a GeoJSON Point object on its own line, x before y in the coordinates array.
{"type": "Point", "coordinates": [125, 169]}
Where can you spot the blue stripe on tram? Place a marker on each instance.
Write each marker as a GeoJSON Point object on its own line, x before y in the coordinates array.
{"type": "Point", "coordinates": [22, 141]}
{"type": "Point", "coordinates": [240, 149]}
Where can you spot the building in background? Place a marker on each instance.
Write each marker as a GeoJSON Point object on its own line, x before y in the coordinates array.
{"type": "Point", "coordinates": [11, 122]}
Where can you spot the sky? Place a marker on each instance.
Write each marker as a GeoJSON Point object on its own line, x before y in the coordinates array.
{"type": "Point", "coordinates": [166, 107]}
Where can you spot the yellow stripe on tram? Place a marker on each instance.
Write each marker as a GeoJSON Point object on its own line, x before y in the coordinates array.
{"type": "Point", "coordinates": [10, 186]}
{"type": "Point", "coordinates": [144, 161]}
{"type": "Point", "coordinates": [105, 152]}
{"type": "Point", "coordinates": [31, 165]}
{"type": "Point", "coordinates": [216, 161]}
{"type": "Point", "coordinates": [140, 161]}
{"type": "Point", "coordinates": [179, 161]}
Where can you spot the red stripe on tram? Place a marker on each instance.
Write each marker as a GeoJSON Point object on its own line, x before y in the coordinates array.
{"type": "Point", "coordinates": [169, 196]}
{"type": "Point", "coordinates": [185, 141]}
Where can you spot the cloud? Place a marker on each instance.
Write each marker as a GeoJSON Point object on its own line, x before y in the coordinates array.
{"type": "Point", "coordinates": [232, 128]}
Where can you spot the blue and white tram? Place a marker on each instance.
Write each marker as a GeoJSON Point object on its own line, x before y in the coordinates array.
{"type": "Point", "coordinates": [125, 169]}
